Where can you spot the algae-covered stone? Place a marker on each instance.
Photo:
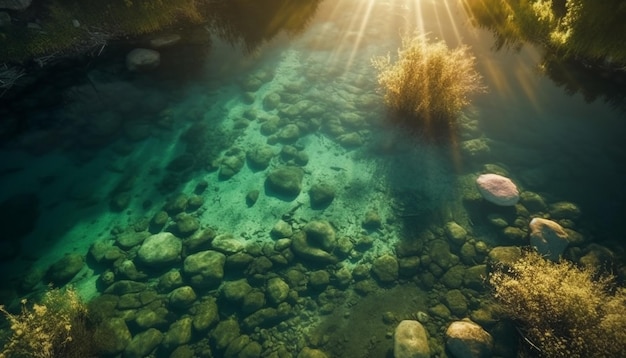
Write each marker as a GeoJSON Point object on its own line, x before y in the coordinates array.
{"type": "Point", "coordinates": [228, 244]}
{"type": "Point", "coordinates": [235, 291]}
{"type": "Point", "coordinates": [453, 278]}
{"type": "Point", "coordinates": [321, 234]}
{"type": "Point", "coordinates": [533, 201]}
{"type": "Point", "coordinates": [410, 340]}
{"type": "Point", "coordinates": [319, 279]}
{"type": "Point", "coordinates": [143, 343]}
{"type": "Point", "coordinates": [151, 318]}
{"type": "Point", "coordinates": [505, 255]}
{"type": "Point", "coordinates": [205, 315]}
{"type": "Point", "coordinates": [285, 181]}
{"type": "Point", "coordinates": [386, 268]}
{"type": "Point", "coordinates": [514, 234]}
{"type": "Point", "coordinates": [186, 224]}
{"type": "Point", "coordinates": [260, 157]}
{"type": "Point", "coordinates": [178, 334]}
{"type": "Point", "coordinates": [182, 297]}
{"type": "Point", "coordinates": [253, 301]}
{"type": "Point", "coordinates": [112, 336]}
{"type": "Point", "coordinates": [456, 302]}
{"type": "Point", "coordinates": [277, 290]}
{"type": "Point", "coordinates": [66, 268]}
{"type": "Point", "coordinates": [455, 233]}
{"type": "Point", "coordinates": [205, 269]}
{"type": "Point", "coordinates": [160, 249]}
{"type": "Point", "coordinates": [372, 220]}
{"type": "Point", "coordinates": [281, 230]}
{"type": "Point", "coordinates": [302, 248]}
{"type": "Point", "coordinates": [475, 277]}
{"type": "Point", "coordinates": [564, 210]}
{"type": "Point", "coordinates": [307, 352]}
{"type": "Point", "coordinates": [439, 253]}
{"type": "Point", "coordinates": [440, 310]}
{"type": "Point", "coordinates": [321, 195]}
{"type": "Point", "coordinates": [225, 332]}
{"type": "Point", "coordinates": [129, 239]}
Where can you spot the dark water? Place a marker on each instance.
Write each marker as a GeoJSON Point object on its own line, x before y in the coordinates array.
{"type": "Point", "coordinates": [93, 155]}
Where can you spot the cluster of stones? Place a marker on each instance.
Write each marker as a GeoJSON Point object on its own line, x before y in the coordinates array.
{"type": "Point", "coordinates": [172, 286]}
{"type": "Point", "coordinates": [526, 217]}
{"type": "Point", "coordinates": [295, 109]}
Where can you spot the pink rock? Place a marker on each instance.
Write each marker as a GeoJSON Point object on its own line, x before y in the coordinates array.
{"type": "Point", "coordinates": [498, 189]}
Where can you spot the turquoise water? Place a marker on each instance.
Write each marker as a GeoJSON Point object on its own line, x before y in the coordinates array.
{"type": "Point", "coordinates": [99, 159]}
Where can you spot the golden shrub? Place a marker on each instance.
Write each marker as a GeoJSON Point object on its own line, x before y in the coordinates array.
{"type": "Point", "coordinates": [56, 327]}
{"type": "Point", "coordinates": [429, 84]}
{"type": "Point", "coordinates": [563, 310]}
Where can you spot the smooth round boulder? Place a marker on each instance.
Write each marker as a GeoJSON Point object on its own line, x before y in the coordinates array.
{"type": "Point", "coordinates": [285, 181]}
{"type": "Point", "coordinates": [466, 339]}
{"type": "Point", "coordinates": [548, 237]}
{"type": "Point", "coordinates": [142, 59]}
{"type": "Point", "coordinates": [410, 340]}
{"type": "Point", "coordinates": [160, 249]}
{"type": "Point", "coordinates": [497, 189]}
{"type": "Point", "coordinates": [321, 234]}
{"type": "Point", "coordinates": [205, 268]}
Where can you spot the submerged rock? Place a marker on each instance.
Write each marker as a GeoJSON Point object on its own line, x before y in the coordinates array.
{"type": "Point", "coordinates": [466, 339]}
{"type": "Point", "coordinates": [410, 340]}
{"type": "Point", "coordinates": [498, 189]}
{"type": "Point", "coordinates": [285, 181]}
{"type": "Point", "coordinates": [321, 195]}
{"type": "Point", "coordinates": [142, 59]}
{"type": "Point", "coordinates": [548, 237]}
{"type": "Point", "coordinates": [160, 249]}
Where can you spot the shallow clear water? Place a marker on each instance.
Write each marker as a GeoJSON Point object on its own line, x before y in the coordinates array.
{"type": "Point", "coordinates": [103, 151]}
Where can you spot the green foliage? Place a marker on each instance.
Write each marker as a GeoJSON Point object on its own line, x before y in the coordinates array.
{"type": "Point", "coordinates": [590, 29]}
{"type": "Point", "coordinates": [56, 327]}
{"type": "Point", "coordinates": [564, 311]}
{"type": "Point", "coordinates": [429, 83]}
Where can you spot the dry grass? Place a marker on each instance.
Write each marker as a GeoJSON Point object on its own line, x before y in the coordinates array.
{"type": "Point", "coordinates": [429, 84]}
{"type": "Point", "coordinates": [56, 327]}
{"type": "Point", "coordinates": [564, 311]}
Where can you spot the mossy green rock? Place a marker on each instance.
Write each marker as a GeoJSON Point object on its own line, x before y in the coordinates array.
{"type": "Point", "coordinates": [182, 297]}
{"type": "Point", "coordinates": [475, 277]}
{"type": "Point", "coordinates": [277, 290]}
{"type": "Point", "coordinates": [440, 310]}
{"type": "Point", "coordinates": [386, 268]}
{"type": "Point", "coordinates": [259, 158]}
{"type": "Point", "coordinates": [320, 233]}
{"type": "Point", "coordinates": [321, 195]}
{"type": "Point", "coordinates": [307, 352]}
{"type": "Point", "coordinates": [302, 248]}
{"type": "Point", "coordinates": [148, 317]}
{"type": "Point", "coordinates": [224, 333]}
{"type": "Point", "coordinates": [66, 268]}
{"type": "Point", "coordinates": [439, 252]}
{"type": "Point", "coordinates": [186, 224]}
{"type": "Point", "coordinates": [143, 343]}
{"type": "Point", "coordinates": [456, 302]}
{"type": "Point", "coordinates": [112, 336]}
{"type": "Point", "coordinates": [253, 301]}
{"type": "Point", "coordinates": [319, 279]}
{"type": "Point", "coordinates": [160, 250]}
{"type": "Point", "coordinates": [205, 269]}
{"type": "Point", "coordinates": [455, 233]}
{"type": "Point", "coordinates": [178, 334]}
{"type": "Point", "coordinates": [564, 210]}
{"type": "Point", "coordinates": [285, 181]}
{"type": "Point", "coordinates": [205, 315]}
{"type": "Point", "coordinates": [235, 291]}
{"type": "Point", "coordinates": [129, 239]}
{"type": "Point", "coordinates": [453, 278]}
